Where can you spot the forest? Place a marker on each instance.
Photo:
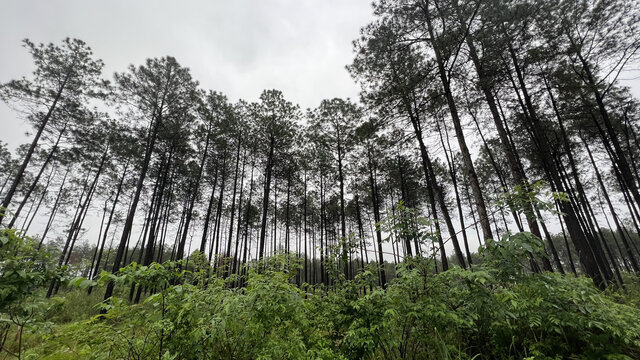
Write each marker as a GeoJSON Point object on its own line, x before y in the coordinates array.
{"type": "Point", "coordinates": [480, 200]}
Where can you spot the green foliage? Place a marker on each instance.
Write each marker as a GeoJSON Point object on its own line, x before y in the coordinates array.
{"type": "Point", "coordinates": [497, 311]}
{"type": "Point", "coordinates": [23, 269]}
{"type": "Point", "coordinates": [508, 256]}
{"type": "Point", "coordinates": [405, 222]}
{"type": "Point", "coordinates": [523, 198]}
{"type": "Point", "coordinates": [267, 319]}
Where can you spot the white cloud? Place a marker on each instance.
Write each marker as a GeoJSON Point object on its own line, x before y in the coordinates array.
{"type": "Point", "coordinates": [236, 47]}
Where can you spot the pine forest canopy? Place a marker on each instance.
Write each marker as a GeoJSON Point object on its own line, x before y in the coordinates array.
{"type": "Point", "coordinates": [480, 124]}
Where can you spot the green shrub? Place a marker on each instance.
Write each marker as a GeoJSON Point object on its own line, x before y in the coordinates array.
{"type": "Point", "coordinates": [497, 310]}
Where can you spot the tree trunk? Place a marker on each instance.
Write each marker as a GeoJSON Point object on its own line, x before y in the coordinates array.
{"type": "Point", "coordinates": [32, 147]}
{"type": "Point", "coordinates": [581, 243]}
{"type": "Point", "coordinates": [233, 203]}
{"type": "Point", "coordinates": [376, 216]}
{"type": "Point", "coordinates": [194, 196]}
{"type": "Point", "coordinates": [625, 242]}
{"type": "Point", "coordinates": [35, 181]}
{"type": "Point", "coordinates": [464, 150]}
{"type": "Point", "coordinates": [623, 164]}
{"type": "Point", "coordinates": [128, 224]}
{"type": "Point", "coordinates": [207, 218]}
{"type": "Point", "coordinates": [265, 201]}
{"type": "Point", "coordinates": [94, 273]}
{"type": "Point", "coordinates": [54, 209]}
{"type": "Point", "coordinates": [25, 227]}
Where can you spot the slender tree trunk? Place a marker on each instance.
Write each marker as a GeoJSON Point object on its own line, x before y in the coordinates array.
{"type": "Point", "coordinates": [85, 207]}
{"type": "Point", "coordinates": [16, 181]}
{"type": "Point", "coordinates": [407, 239]}
{"type": "Point", "coordinates": [233, 202]}
{"type": "Point", "coordinates": [623, 164]}
{"type": "Point", "coordinates": [95, 251]}
{"type": "Point", "coordinates": [307, 274]}
{"type": "Point", "coordinates": [343, 226]}
{"type": "Point", "coordinates": [76, 226]}
{"type": "Point", "coordinates": [247, 219]}
{"type": "Point", "coordinates": [54, 209]}
{"type": "Point", "coordinates": [376, 215]}
{"type": "Point", "coordinates": [323, 278]}
{"type": "Point", "coordinates": [35, 181]}
{"type": "Point", "coordinates": [238, 226]}
{"type": "Point", "coordinates": [464, 150]}
{"type": "Point", "coordinates": [265, 201]}
{"type": "Point", "coordinates": [194, 196]}
{"type": "Point", "coordinates": [517, 172]}
{"type": "Point", "coordinates": [581, 243]}
{"type": "Point", "coordinates": [207, 218]}
{"type": "Point", "coordinates": [128, 224]}
{"type": "Point", "coordinates": [625, 242]}
{"type": "Point", "coordinates": [94, 273]}
{"type": "Point", "coordinates": [287, 214]}
{"type": "Point", "coordinates": [25, 227]}
{"type": "Point", "coordinates": [217, 225]}
{"type": "Point", "coordinates": [452, 174]}
{"type": "Point", "coordinates": [433, 191]}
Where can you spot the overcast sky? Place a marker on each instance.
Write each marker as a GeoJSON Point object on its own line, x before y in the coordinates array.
{"type": "Point", "coordinates": [237, 47]}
